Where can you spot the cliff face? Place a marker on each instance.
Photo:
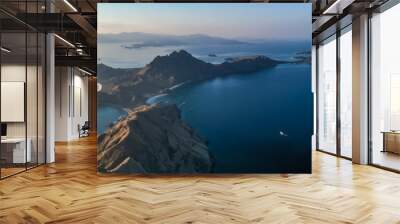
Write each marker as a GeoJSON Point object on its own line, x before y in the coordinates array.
{"type": "Point", "coordinates": [153, 139]}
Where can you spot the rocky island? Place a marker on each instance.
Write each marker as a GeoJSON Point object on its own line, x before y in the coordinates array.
{"type": "Point", "coordinates": [132, 87]}
{"type": "Point", "coordinates": [303, 57]}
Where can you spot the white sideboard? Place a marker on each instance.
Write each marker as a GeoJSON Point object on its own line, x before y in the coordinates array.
{"type": "Point", "coordinates": [18, 147]}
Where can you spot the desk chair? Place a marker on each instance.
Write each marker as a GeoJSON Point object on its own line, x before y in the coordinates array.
{"type": "Point", "coordinates": [84, 130]}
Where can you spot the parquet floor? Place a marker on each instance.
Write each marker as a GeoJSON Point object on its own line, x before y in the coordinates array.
{"type": "Point", "coordinates": [70, 191]}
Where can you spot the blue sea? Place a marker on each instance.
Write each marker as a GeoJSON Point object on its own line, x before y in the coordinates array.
{"type": "Point", "coordinates": [254, 123]}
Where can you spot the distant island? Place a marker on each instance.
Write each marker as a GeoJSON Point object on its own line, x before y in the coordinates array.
{"type": "Point", "coordinates": [148, 44]}
{"type": "Point", "coordinates": [303, 57]}
{"type": "Point", "coordinates": [137, 40]}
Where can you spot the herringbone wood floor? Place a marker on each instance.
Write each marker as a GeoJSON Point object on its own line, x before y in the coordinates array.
{"type": "Point", "coordinates": [70, 191]}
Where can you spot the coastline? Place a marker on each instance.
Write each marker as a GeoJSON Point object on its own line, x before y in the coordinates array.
{"type": "Point", "coordinates": [178, 85]}
{"type": "Point", "coordinates": [153, 100]}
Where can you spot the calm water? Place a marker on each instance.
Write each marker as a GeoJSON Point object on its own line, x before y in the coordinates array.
{"type": "Point", "coordinates": [255, 123]}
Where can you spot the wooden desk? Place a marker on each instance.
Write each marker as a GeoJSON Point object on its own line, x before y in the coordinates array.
{"type": "Point", "coordinates": [13, 150]}
{"type": "Point", "coordinates": [391, 141]}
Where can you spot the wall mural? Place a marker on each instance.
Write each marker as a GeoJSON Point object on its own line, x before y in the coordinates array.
{"type": "Point", "coordinates": [204, 88]}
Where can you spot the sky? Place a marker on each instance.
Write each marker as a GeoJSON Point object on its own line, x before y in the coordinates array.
{"type": "Point", "coordinates": [290, 21]}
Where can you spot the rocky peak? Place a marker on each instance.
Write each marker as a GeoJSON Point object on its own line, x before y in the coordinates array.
{"type": "Point", "coordinates": [179, 66]}
{"type": "Point", "coordinates": [153, 139]}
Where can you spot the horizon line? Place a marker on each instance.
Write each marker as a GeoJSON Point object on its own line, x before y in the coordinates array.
{"type": "Point", "coordinates": [193, 34]}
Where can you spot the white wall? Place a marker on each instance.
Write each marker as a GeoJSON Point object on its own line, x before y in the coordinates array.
{"type": "Point", "coordinates": [80, 111]}
{"type": "Point", "coordinates": [71, 102]}
{"type": "Point", "coordinates": [62, 81]}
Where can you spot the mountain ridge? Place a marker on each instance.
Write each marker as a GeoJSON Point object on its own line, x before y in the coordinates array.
{"type": "Point", "coordinates": [184, 67]}
{"type": "Point", "coordinates": [163, 143]}
{"type": "Point", "coordinates": [132, 87]}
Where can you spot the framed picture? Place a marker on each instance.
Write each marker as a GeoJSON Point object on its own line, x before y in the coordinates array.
{"type": "Point", "coordinates": [204, 88]}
